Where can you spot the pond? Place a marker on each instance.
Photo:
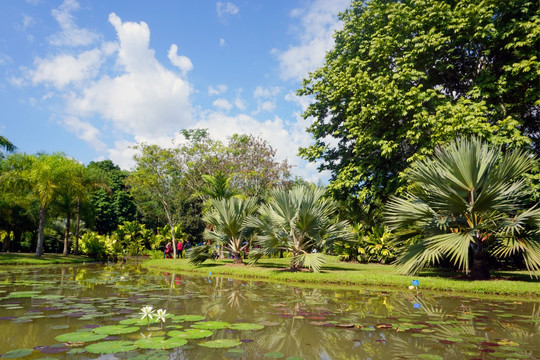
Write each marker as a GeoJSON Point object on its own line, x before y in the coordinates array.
{"type": "Point", "coordinates": [94, 312]}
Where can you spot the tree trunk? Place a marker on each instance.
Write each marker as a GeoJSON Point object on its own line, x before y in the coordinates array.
{"type": "Point", "coordinates": [77, 227]}
{"type": "Point", "coordinates": [238, 259]}
{"type": "Point", "coordinates": [39, 247]}
{"type": "Point", "coordinates": [66, 234]}
{"type": "Point", "coordinates": [7, 241]}
{"type": "Point", "coordinates": [480, 265]}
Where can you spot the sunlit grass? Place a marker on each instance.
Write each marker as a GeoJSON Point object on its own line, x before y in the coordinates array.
{"type": "Point", "coordinates": [45, 259]}
{"type": "Point", "coordinates": [336, 273]}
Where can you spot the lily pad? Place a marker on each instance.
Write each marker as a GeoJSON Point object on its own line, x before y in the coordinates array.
{"type": "Point", "coordinates": [174, 342]}
{"type": "Point", "coordinates": [111, 347]}
{"type": "Point", "coordinates": [190, 333]}
{"type": "Point", "coordinates": [115, 329]}
{"type": "Point", "coordinates": [80, 336]}
{"type": "Point", "coordinates": [155, 343]}
{"type": "Point", "coordinates": [211, 325]}
{"type": "Point", "coordinates": [245, 326]}
{"type": "Point", "coordinates": [137, 321]}
{"type": "Point", "coordinates": [430, 357]}
{"type": "Point", "coordinates": [23, 294]}
{"type": "Point", "coordinates": [14, 354]}
{"type": "Point", "coordinates": [274, 355]}
{"type": "Point", "coordinates": [221, 343]}
{"type": "Point", "coordinates": [189, 318]}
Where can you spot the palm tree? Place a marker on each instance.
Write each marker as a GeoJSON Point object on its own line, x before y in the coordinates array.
{"type": "Point", "coordinates": [300, 221]}
{"type": "Point", "coordinates": [467, 203]}
{"type": "Point", "coordinates": [217, 186]}
{"type": "Point", "coordinates": [229, 226]}
{"type": "Point", "coordinates": [7, 145]}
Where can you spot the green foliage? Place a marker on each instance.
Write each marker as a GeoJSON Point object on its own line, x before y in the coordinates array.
{"type": "Point", "coordinates": [468, 203]}
{"type": "Point", "coordinates": [230, 229]}
{"type": "Point", "coordinates": [301, 221]}
{"type": "Point", "coordinates": [405, 76]}
{"type": "Point", "coordinates": [93, 245]}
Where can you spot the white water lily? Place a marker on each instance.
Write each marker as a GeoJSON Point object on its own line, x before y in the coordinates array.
{"type": "Point", "coordinates": [147, 312]}
{"type": "Point", "coordinates": [160, 316]}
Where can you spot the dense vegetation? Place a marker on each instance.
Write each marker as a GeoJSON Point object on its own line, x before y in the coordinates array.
{"type": "Point", "coordinates": [404, 81]}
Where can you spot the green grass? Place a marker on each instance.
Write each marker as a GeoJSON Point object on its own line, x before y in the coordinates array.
{"type": "Point", "coordinates": [337, 274]}
{"type": "Point", "coordinates": [45, 259]}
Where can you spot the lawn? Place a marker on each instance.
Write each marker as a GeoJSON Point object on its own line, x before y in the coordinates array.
{"type": "Point", "coordinates": [45, 259]}
{"type": "Point", "coordinates": [336, 273]}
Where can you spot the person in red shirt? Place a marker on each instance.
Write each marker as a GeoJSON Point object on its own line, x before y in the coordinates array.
{"type": "Point", "coordinates": [179, 248]}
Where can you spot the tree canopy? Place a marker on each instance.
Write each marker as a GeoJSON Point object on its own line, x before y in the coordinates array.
{"type": "Point", "coordinates": [407, 75]}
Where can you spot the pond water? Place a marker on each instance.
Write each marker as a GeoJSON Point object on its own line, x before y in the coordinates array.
{"type": "Point", "coordinates": [94, 311]}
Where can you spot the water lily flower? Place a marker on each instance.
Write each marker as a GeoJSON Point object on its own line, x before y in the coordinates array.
{"type": "Point", "coordinates": [147, 313]}
{"type": "Point", "coordinates": [160, 316]}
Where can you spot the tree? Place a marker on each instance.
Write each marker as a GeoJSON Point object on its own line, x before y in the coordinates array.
{"type": "Point", "coordinates": [301, 221]}
{"type": "Point", "coordinates": [228, 218]}
{"type": "Point", "coordinates": [158, 177]}
{"type": "Point", "coordinates": [6, 145]}
{"type": "Point", "coordinates": [467, 203]}
{"type": "Point", "coordinates": [407, 75]}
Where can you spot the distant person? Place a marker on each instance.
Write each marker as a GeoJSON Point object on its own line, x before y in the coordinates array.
{"type": "Point", "coordinates": [168, 250]}
{"type": "Point", "coordinates": [179, 248]}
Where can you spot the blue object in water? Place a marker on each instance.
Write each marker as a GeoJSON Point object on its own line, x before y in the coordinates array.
{"type": "Point", "coordinates": [416, 305]}
{"type": "Point", "coordinates": [416, 282]}
{"type": "Point", "coordinates": [210, 273]}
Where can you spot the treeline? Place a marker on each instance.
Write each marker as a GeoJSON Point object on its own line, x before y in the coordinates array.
{"type": "Point", "coordinates": [49, 201]}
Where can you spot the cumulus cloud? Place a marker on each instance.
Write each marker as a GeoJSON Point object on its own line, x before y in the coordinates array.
{"type": "Point", "coordinates": [261, 92]}
{"type": "Point", "coordinates": [218, 89]}
{"type": "Point", "coordinates": [145, 98]}
{"type": "Point", "coordinates": [62, 70]}
{"type": "Point", "coordinates": [85, 131]}
{"type": "Point", "coordinates": [180, 61]}
{"type": "Point", "coordinates": [317, 25]}
{"type": "Point", "coordinates": [221, 42]}
{"type": "Point", "coordinates": [225, 9]}
{"type": "Point", "coordinates": [70, 34]}
{"type": "Point", "coordinates": [222, 104]}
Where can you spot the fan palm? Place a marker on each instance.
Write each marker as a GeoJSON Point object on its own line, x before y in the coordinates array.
{"type": "Point", "coordinates": [468, 203]}
{"type": "Point", "coordinates": [299, 221]}
{"type": "Point", "coordinates": [229, 227]}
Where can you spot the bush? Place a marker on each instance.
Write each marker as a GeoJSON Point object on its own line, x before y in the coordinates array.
{"type": "Point", "coordinates": [93, 245]}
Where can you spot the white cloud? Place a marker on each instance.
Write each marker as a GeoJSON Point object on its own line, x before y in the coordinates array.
{"type": "Point", "coordinates": [301, 101]}
{"type": "Point", "coordinates": [261, 92]}
{"type": "Point", "coordinates": [222, 104]}
{"type": "Point", "coordinates": [318, 24]}
{"type": "Point", "coordinates": [219, 89]}
{"type": "Point", "coordinates": [85, 131]}
{"type": "Point", "coordinates": [266, 106]}
{"type": "Point", "coordinates": [240, 103]}
{"type": "Point", "coordinates": [225, 9]}
{"type": "Point", "coordinates": [5, 59]}
{"type": "Point", "coordinates": [62, 70]}
{"type": "Point", "coordinates": [221, 42]}
{"type": "Point", "coordinates": [145, 98]}
{"type": "Point", "coordinates": [27, 21]}
{"type": "Point", "coordinates": [70, 34]}
{"type": "Point", "coordinates": [181, 62]}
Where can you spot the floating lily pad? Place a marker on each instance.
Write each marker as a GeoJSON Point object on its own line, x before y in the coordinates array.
{"type": "Point", "coordinates": [23, 294]}
{"type": "Point", "coordinates": [191, 333]}
{"type": "Point", "coordinates": [152, 355]}
{"type": "Point", "coordinates": [221, 343]}
{"type": "Point", "coordinates": [80, 336]}
{"type": "Point", "coordinates": [174, 342]}
{"type": "Point", "coordinates": [274, 355]}
{"type": "Point", "coordinates": [155, 343]}
{"type": "Point", "coordinates": [245, 326]}
{"type": "Point", "coordinates": [14, 354]}
{"type": "Point", "coordinates": [430, 357]}
{"type": "Point", "coordinates": [76, 351]}
{"type": "Point", "coordinates": [137, 321]}
{"type": "Point", "coordinates": [111, 347]}
{"type": "Point", "coordinates": [115, 329]}
{"type": "Point", "coordinates": [211, 325]}
{"type": "Point", "coordinates": [295, 358]}
{"type": "Point", "coordinates": [189, 318]}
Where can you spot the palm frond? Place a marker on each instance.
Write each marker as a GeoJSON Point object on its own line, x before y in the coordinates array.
{"type": "Point", "coordinates": [313, 261]}
{"type": "Point", "coordinates": [199, 254]}
{"type": "Point", "coordinates": [455, 245]}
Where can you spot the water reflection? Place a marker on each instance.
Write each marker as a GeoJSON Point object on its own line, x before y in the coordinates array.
{"type": "Point", "coordinates": [36, 305]}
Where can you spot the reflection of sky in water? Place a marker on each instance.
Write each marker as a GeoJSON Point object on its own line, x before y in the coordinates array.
{"type": "Point", "coordinates": [38, 305]}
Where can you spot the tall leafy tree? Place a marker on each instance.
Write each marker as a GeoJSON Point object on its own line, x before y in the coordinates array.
{"type": "Point", "coordinates": [406, 75]}
{"type": "Point", "coordinates": [467, 203]}
{"type": "Point", "coordinates": [157, 176]}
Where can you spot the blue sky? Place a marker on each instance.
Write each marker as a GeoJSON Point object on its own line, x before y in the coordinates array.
{"type": "Point", "coordinates": [91, 78]}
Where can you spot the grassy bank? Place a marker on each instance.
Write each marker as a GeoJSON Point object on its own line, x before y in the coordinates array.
{"type": "Point", "coordinates": [45, 259]}
{"type": "Point", "coordinates": [337, 274]}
